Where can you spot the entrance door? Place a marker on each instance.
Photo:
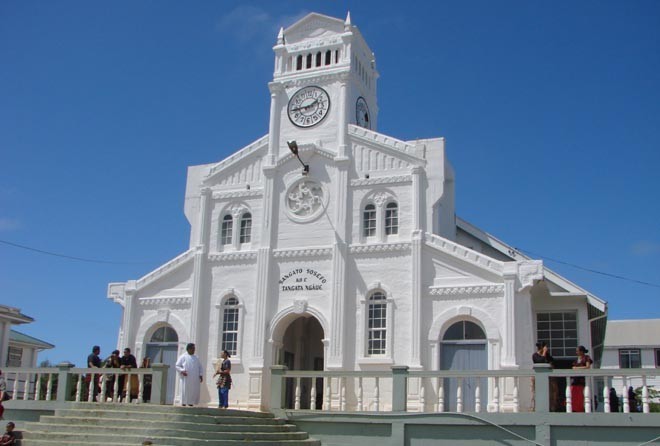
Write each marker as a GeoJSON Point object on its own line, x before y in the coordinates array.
{"type": "Point", "coordinates": [163, 348]}
{"type": "Point", "coordinates": [464, 348]}
{"type": "Point", "coordinates": [302, 345]}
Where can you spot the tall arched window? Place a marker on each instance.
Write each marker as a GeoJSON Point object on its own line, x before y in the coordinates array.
{"type": "Point", "coordinates": [328, 56]}
{"type": "Point", "coordinates": [230, 310]}
{"type": "Point", "coordinates": [377, 325]}
{"type": "Point", "coordinates": [318, 59]}
{"type": "Point", "coordinates": [391, 219]}
{"type": "Point", "coordinates": [246, 228]}
{"type": "Point", "coordinates": [369, 221]}
{"type": "Point", "coordinates": [299, 62]}
{"type": "Point", "coordinates": [227, 229]}
{"type": "Point", "coordinates": [309, 60]}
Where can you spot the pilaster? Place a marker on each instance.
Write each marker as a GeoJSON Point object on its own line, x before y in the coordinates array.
{"type": "Point", "coordinates": [197, 290]}
{"type": "Point", "coordinates": [129, 298]}
{"type": "Point", "coordinates": [338, 305]}
{"type": "Point", "coordinates": [416, 304]}
{"type": "Point", "coordinates": [509, 344]}
{"type": "Point", "coordinates": [417, 198]}
{"type": "Point", "coordinates": [274, 125]}
{"type": "Point", "coordinates": [263, 276]}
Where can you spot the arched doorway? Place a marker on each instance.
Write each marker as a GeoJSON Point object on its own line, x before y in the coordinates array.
{"type": "Point", "coordinates": [302, 349]}
{"type": "Point", "coordinates": [163, 348]}
{"type": "Point", "coordinates": [463, 347]}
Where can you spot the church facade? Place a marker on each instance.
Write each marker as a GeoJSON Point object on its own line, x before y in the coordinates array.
{"type": "Point", "coordinates": [326, 245]}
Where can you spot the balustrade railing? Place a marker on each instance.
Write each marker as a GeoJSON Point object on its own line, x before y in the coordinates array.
{"type": "Point", "coordinates": [474, 391]}
{"type": "Point", "coordinates": [67, 383]}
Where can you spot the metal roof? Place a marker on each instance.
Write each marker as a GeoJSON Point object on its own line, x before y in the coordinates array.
{"type": "Point", "coordinates": [633, 333]}
{"type": "Point", "coordinates": [21, 338]}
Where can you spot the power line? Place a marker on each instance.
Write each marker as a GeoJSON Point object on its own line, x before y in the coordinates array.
{"type": "Point", "coordinates": [615, 276]}
{"type": "Point", "coordinates": [80, 259]}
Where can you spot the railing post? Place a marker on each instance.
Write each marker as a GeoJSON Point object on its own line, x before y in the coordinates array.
{"type": "Point", "coordinates": [399, 388]}
{"type": "Point", "coordinates": [158, 384]}
{"type": "Point", "coordinates": [64, 381]}
{"type": "Point", "coordinates": [276, 386]}
{"type": "Point", "coordinates": [542, 387]}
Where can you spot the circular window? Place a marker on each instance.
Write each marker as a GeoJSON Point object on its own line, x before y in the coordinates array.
{"type": "Point", "coordinates": [305, 200]}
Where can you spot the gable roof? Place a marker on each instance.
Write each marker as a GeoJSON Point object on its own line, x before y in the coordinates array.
{"type": "Point", "coordinates": [14, 315]}
{"type": "Point", "coordinates": [570, 289]}
{"type": "Point", "coordinates": [633, 333]}
{"type": "Point", "coordinates": [16, 337]}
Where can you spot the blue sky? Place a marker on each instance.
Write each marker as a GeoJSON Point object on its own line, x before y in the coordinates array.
{"type": "Point", "coordinates": [551, 111]}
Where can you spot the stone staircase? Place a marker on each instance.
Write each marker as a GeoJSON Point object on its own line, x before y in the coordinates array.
{"type": "Point", "coordinates": [145, 424]}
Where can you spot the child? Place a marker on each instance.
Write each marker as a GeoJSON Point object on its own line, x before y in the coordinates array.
{"type": "Point", "coordinates": [9, 438]}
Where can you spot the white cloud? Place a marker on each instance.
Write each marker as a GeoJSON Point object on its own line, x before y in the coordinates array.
{"type": "Point", "coordinates": [645, 248]}
{"type": "Point", "coordinates": [248, 23]}
{"type": "Point", "coordinates": [9, 224]}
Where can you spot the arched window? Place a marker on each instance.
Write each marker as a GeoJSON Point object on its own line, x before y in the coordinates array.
{"type": "Point", "coordinates": [164, 334]}
{"type": "Point", "coordinates": [328, 57]}
{"type": "Point", "coordinates": [230, 310]}
{"type": "Point", "coordinates": [391, 219]}
{"type": "Point", "coordinates": [309, 60]}
{"type": "Point", "coordinates": [299, 62]}
{"type": "Point", "coordinates": [369, 221]}
{"type": "Point", "coordinates": [464, 331]}
{"type": "Point", "coordinates": [336, 56]}
{"type": "Point", "coordinates": [246, 228]}
{"type": "Point", "coordinates": [377, 325]}
{"type": "Point", "coordinates": [318, 59]}
{"type": "Point", "coordinates": [227, 229]}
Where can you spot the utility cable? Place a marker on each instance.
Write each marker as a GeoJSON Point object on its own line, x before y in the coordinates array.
{"type": "Point", "coordinates": [615, 276]}
{"type": "Point", "coordinates": [80, 259]}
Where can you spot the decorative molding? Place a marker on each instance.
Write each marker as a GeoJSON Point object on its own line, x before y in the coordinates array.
{"type": "Point", "coordinates": [298, 79]}
{"type": "Point", "coordinates": [236, 157]}
{"type": "Point", "coordinates": [299, 306]}
{"type": "Point", "coordinates": [380, 198]}
{"type": "Point", "coordinates": [233, 256]}
{"type": "Point", "coordinates": [230, 194]}
{"type": "Point", "coordinates": [165, 301]}
{"type": "Point", "coordinates": [385, 142]}
{"type": "Point", "coordinates": [380, 248]}
{"type": "Point", "coordinates": [314, 43]}
{"type": "Point", "coordinates": [460, 251]}
{"type": "Point", "coordinates": [307, 148]}
{"type": "Point", "coordinates": [302, 252]}
{"type": "Point", "coordinates": [166, 268]}
{"type": "Point", "coordinates": [529, 271]}
{"type": "Point", "coordinates": [489, 290]}
{"type": "Point", "coordinates": [392, 179]}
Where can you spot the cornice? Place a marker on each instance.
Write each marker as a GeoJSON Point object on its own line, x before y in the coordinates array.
{"type": "Point", "coordinates": [242, 193]}
{"type": "Point", "coordinates": [380, 248]}
{"type": "Point", "coordinates": [307, 148]}
{"type": "Point", "coordinates": [236, 157]}
{"type": "Point", "coordinates": [466, 254]}
{"type": "Point", "coordinates": [233, 256]}
{"type": "Point", "coordinates": [481, 290]}
{"type": "Point", "coordinates": [305, 252]}
{"type": "Point", "coordinates": [315, 43]}
{"type": "Point", "coordinates": [392, 179]}
{"type": "Point", "coordinates": [299, 79]}
{"type": "Point", "coordinates": [164, 301]}
{"type": "Point", "coordinates": [384, 141]}
{"type": "Point", "coordinates": [166, 268]}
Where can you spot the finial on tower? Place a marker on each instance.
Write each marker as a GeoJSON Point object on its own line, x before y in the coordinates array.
{"type": "Point", "coordinates": [347, 22]}
{"type": "Point", "coordinates": [280, 36]}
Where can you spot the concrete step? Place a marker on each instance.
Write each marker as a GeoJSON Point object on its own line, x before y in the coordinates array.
{"type": "Point", "coordinates": [135, 414]}
{"type": "Point", "coordinates": [169, 409]}
{"type": "Point", "coordinates": [120, 438]}
{"type": "Point", "coordinates": [119, 423]}
{"type": "Point", "coordinates": [147, 430]}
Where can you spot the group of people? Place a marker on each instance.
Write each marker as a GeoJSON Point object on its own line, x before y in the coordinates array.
{"type": "Point", "coordinates": [583, 361]}
{"type": "Point", "coordinates": [125, 362]}
{"type": "Point", "coordinates": [191, 376]}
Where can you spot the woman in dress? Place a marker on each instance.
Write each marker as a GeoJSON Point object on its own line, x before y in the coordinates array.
{"type": "Point", "coordinates": [583, 361]}
{"type": "Point", "coordinates": [224, 380]}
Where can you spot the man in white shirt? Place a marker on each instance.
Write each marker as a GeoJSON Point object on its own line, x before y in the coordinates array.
{"type": "Point", "coordinates": [189, 369]}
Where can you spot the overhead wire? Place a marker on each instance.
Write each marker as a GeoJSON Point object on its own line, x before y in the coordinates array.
{"type": "Point", "coordinates": [65, 256]}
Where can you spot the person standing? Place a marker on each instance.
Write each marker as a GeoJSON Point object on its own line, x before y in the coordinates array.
{"type": "Point", "coordinates": [542, 356]}
{"type": "Point", "coordinates": [94, 362]}
{"type": "Point", "coordinates": [224, 380]}
{"type": "Point", "coordinates": [583, 361]}
{"type": "Point", "coordinates": [127, 362]}
{"type": "Point", "coordinates": [189, 368]}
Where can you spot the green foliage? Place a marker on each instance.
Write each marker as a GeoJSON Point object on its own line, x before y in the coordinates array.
{"type": "Point", "coordinates": [654, 398]}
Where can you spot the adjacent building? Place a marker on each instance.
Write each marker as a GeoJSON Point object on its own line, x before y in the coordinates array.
{"type": "Point", "coordinates": [326, 245]}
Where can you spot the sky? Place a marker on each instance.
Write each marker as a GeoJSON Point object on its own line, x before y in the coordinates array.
{"type": "Point", "coordinates": [550, 110]}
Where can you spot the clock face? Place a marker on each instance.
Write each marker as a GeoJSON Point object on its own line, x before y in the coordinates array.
{"type": "Point", "coordinates": [308, 106]}
{"type": "Point", "coordinates": [362, 113]}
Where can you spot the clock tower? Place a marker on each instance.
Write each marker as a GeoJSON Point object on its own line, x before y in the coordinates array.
{"type": "Point", "coordinates": [325, 78]}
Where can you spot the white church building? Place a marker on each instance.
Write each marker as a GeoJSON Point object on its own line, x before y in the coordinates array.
{"type": "Point", "coordinates": [354, 261]}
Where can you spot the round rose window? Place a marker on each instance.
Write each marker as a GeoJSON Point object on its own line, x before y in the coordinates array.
{"type": "Point", "coordinates": [305, 200]}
